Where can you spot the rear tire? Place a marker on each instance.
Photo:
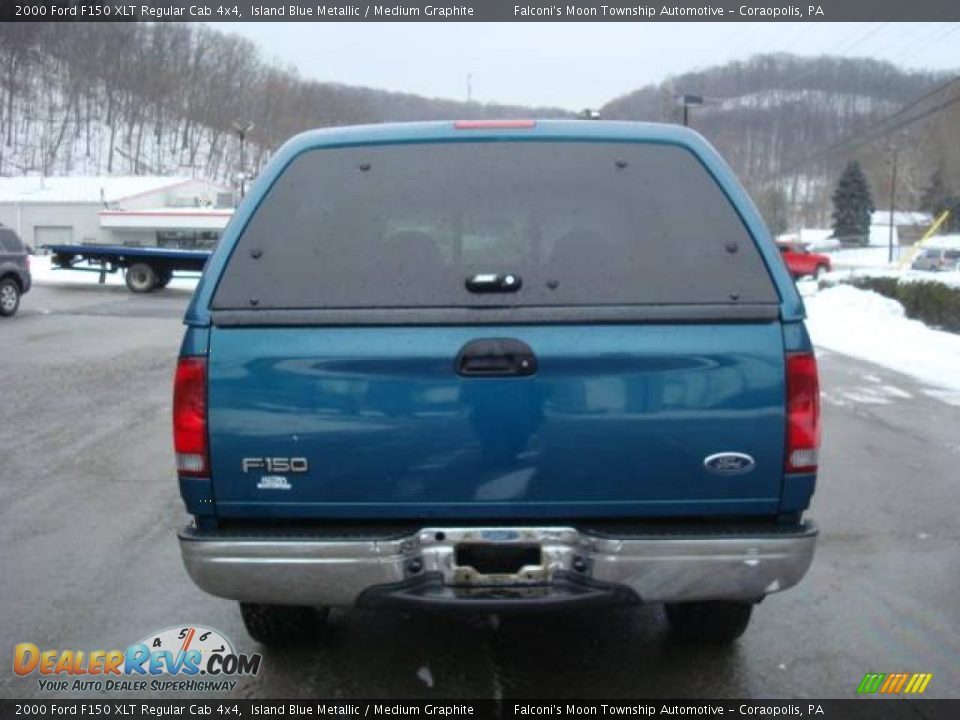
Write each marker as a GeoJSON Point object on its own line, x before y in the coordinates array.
{"type": "Point", "coordinates": [716, 622]}
{"type": "Point", "coordinates": [164, 278]}
{"type": "Point", "coordinates": [141, 278]}
{"type": "Point", "coordinates": [9, 297]}
{"type": "Point", "coordinates": [281, 625]}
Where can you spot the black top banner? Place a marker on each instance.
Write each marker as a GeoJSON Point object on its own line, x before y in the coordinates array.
{"type": "Point", "coordinates": [480, 10]}
{"type": "Point", "coordinates": [232, 709]}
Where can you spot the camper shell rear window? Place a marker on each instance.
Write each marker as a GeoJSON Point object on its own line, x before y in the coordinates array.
{"type": "Point", "coordinates": [575, 224]}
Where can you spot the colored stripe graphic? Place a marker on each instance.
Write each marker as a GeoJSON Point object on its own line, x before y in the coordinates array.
{"type": "Point", "coordinates": [871, 682]}
{"type": "Point", "coordinates": [918, 683]}
{"type": "Point", "coordinates": [894, 683]}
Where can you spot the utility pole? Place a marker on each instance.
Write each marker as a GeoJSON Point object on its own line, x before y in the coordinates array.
{"type": "Point", "coordinates": [893, 194]}
{"type": "Point", "coordinates": [242, 129]}
{"type": "Point", "coordinates": [469, 87]}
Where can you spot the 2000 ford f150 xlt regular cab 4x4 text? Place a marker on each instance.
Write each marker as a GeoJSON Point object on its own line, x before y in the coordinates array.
{"type": "Point", "coordinates": [496, 366]}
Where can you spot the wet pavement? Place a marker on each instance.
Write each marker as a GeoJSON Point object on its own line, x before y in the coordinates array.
{"type": "Point", "coordinates": [89, 559]}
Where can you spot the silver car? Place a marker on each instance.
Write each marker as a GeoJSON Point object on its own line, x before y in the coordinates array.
{"type": "Point", "coordinates": [937, 259]}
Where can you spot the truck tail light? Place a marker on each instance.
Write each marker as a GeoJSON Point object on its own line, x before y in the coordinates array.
{"type": "Point", "coordinates": [190, 416]}
{"type": "Point", "coordinates": [803, 413]}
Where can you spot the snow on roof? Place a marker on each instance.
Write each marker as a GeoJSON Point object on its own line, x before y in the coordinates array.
{"type": "Point", "coordinates": [200, 218]}
{"type": "Point", "coordinates": [900, 217]}
{"type": "Point", "coordinates": [943, 241]}
{"type": "Point", "coordinates": [93, 189]}
{"type": "Point", "coordinates": [203, 210]}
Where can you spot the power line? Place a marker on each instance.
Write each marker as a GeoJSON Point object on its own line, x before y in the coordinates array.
{"type": "Point", "coordinates": [858, 141]}
{"type": "Point", "coordinates": [865, 134]}
{"type": "Point", "coordinates": [938, 34]}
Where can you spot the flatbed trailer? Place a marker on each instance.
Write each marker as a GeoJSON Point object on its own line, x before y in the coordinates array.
{"type": "Point", "coordinates": [145, 268]}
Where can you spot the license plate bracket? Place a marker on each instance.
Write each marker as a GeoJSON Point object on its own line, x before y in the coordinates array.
{"type": "Point", "coordinates": [500, 560]}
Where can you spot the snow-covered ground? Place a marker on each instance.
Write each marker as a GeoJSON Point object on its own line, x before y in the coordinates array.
{"type": "Point", "coordinates": [818, 239]}
{"type": "Point", "coordinates": [863, 257]}
{"type": "Point", "coordinates": [873, 262]}
{"type": "Point", "coordinates": [869, 326]}
{"type": "Point", "coordinates": [42, 273]}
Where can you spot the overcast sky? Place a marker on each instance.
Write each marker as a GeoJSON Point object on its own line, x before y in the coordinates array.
{"type": "Point", "coordinates": [570, 65]}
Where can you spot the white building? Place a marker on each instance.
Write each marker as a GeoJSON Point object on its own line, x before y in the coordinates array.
{"type": "Point", "coordinates": [137, 210]}
{"type": "Point", "coordinates": [908, 227]}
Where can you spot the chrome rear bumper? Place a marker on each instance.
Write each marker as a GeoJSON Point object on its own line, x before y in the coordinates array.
{"type": "Point", "coordinates": [421, 568]}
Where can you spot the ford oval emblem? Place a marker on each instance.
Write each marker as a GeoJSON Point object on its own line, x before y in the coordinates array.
{"type": "Point", "coordinates": [729, 463]}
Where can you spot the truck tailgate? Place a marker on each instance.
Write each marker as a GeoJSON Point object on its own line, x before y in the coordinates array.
{"type": "Point", "coordinates": [617, 420]}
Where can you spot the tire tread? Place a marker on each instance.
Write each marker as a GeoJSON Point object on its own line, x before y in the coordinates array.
{"type": "Point", "coordinates": [715, 622]}
{"type": "Point", "coordinates": [280, 625]}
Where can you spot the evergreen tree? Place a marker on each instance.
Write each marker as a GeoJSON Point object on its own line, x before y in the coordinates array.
{"type": "Point", "coordinates": [935, 193]}
{"type": "Point", "coordinates": [937, 198]}
{"type": "Point", "coordinates": [952, 223]}
{"type": "Point", "coordinates": [852, 203]}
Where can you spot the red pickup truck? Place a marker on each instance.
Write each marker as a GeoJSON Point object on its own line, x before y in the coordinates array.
{"type": "Point", "coordinates": [800, 261]}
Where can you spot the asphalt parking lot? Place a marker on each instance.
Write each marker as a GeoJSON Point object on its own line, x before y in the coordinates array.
{"type": "Point", "coordinates": [89, 510]}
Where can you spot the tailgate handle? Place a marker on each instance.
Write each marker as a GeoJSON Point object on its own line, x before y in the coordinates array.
{"type": "Point", "coordinates": [496, 357]}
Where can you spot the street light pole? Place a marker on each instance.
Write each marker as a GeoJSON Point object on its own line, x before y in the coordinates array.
{"type": "Point", "coordinates": [242, 130]}
{"type": "Point", "coordinates": [893, 195]}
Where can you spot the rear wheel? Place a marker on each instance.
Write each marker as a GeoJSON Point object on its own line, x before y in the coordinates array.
{"type": "Point", "coordinates": [163, 278]}
{"type": "Point", "coordinates": [141, 278]}
{"type": "Point", "coordinates": [279, 625]}
{"type": "Point", "coordinates": [715, 622]}
{"type": "Point", "coordinates": [9, 296]}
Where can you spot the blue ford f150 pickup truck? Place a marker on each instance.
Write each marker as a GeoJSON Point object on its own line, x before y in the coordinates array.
{"type": "Point", "coordinates": [496, 366]}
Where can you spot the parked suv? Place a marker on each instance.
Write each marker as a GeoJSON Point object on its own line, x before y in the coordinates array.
{"type": "Point", "coordinates": [937, 259]}
{"type": "Point", "coordinates": [14, 271]}
{"type": "Point", "coordinates": [801, 261]}
{"type": "Point", "coordinates": [496, 366]}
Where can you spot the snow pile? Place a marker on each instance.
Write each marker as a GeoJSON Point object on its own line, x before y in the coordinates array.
{"type": "Point", "coordinates": [44, 274]}
{"type": "Point", "coordinates": [867, 325]}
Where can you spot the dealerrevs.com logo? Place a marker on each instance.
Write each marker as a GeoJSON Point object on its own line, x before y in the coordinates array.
{"type": "Point", "coordinates": [183, 658]}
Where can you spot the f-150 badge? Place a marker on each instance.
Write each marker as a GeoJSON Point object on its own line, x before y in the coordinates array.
{"type": "Point", "coordinates": [275, 464]}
